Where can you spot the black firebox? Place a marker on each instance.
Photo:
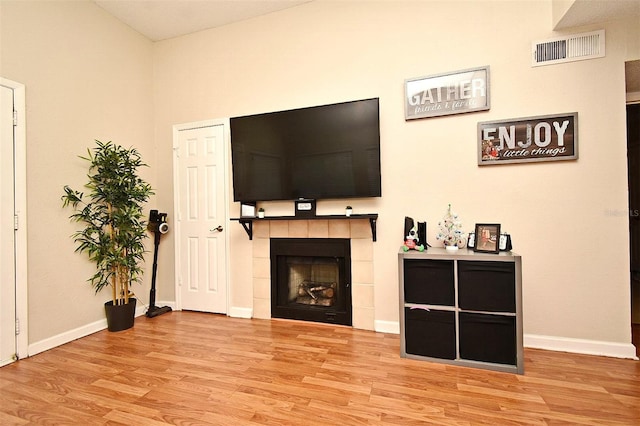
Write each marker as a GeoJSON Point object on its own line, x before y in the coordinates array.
{"type": "Point", "coordinates": [311, 279]}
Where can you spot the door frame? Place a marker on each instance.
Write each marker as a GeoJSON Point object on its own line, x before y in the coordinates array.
{"type": "Point", "coordinates": [20, 194]}
{"type": "Point", "coordinates": [177, 128]}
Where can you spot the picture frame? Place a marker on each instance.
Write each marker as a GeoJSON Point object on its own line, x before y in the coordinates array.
{"type": "Point", "coordinates": [487, 236]}
{"type": "Point", "coordinates": [247, 209]}
{"type": "Point", "coordinates": [448, 93]}
{"type": "Point", "coordinates": [471, 240]}
{"type": "Point", "coordinates": [505, 242]}
{"type": "Point", "coordinates": [528, 139]}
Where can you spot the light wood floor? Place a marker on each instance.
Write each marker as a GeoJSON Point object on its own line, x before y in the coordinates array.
{"type": "Point", "coordinates": [187, 368]}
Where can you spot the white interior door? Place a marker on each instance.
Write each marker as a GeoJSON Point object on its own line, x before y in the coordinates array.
{"type": "Point", "coordinates": [7, 231]}
{"type": "Point", "coordinates": [200, 178]}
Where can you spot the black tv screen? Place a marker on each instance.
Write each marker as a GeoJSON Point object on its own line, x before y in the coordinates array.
{"type": "Point", "coordinates": [322, 152]}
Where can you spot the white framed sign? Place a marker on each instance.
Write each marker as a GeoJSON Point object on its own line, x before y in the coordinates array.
{"type": "Point", "coordinates": [445, 94]}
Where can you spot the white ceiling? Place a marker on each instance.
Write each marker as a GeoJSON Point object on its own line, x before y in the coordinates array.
{"type": "Point", "coordinates": [163, 19]}
{"type": "Point", "coordinates": [585, 12]}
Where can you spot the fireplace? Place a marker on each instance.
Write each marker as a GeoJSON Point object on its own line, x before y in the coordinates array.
{"type": "Point", "coordinates": [310, 279]}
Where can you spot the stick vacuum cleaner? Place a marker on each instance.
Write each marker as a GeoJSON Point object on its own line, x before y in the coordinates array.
{"type": "Point", "coordinates": [158, 225]}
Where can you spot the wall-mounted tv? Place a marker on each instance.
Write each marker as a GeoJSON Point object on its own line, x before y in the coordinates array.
{"type": "Point", "coordinates": [322, 152]}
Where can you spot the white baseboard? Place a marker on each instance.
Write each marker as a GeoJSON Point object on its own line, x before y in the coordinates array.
{"type": "Point", "coordinates": [551, 343]}
{"type": "Point", "coordinates": [66, 337]}
{"type": "Point", "coordinates": [580, 346]}
{"type": "Point", "coordinates": [85, 330]}
{"type": "Point", "coordinates": [392, 327]}
{"type": "Point", "coordinates": [237, 312]}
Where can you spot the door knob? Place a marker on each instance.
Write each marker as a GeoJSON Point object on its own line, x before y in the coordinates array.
{"type": "Point", "coordinates": [219, 229]}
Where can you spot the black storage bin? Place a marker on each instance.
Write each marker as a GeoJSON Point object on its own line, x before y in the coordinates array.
{"type": "Point", "coordinates": [489, 338]}
{"type": "Point", "coordinates": [487, 286]}
{"type": "Point", "coordinates": [429, 282]}
{"type": "Point", "coordinates": [430, 333]}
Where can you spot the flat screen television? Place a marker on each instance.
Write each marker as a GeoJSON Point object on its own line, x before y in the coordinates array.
{"type": "Point", "coordinates": [322, 152]}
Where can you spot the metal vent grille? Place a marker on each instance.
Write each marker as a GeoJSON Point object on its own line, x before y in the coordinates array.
{"type": "Point", "coordinates": [568, 49]}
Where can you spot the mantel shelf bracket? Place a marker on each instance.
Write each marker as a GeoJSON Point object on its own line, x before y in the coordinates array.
{"type": "Point", "coordinates": [247, 224]}
{"type": "Point", "coordinates": [372, 221]}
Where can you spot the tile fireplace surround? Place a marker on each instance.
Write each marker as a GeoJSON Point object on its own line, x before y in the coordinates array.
{"type": "Point", "coordinates": [358, 230]}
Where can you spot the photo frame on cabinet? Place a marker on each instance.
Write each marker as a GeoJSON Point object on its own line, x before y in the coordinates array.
{"type": "Point", "coordinates": [471, 241]}
{"type": "Point", "coordinates": [505, 242]}
{"type": "Point", "coordinates": [487, 237]}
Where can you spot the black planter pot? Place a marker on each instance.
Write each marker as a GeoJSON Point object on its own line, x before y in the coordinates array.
{"type": "Point", "coordinates": [120, 317]}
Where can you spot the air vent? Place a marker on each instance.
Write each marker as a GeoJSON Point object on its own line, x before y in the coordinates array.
{"type": "Point", "coordinates": [570, 48]}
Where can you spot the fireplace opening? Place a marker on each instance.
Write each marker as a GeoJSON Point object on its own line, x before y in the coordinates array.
{"type": "Point", "coordinates": [310, 279]}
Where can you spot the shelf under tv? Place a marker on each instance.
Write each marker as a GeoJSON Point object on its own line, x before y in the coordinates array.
{"type": "Point", "coordinates": [247, 222]}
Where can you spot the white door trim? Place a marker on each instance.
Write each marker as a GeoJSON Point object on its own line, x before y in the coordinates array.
{"type": "Point", "coordinates": [176, 201]}
{"type": "Point", "coordinates": [20, 137]}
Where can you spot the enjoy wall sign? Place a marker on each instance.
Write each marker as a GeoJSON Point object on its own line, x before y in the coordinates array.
{"type": "Point", "coordinates": [530, 139]}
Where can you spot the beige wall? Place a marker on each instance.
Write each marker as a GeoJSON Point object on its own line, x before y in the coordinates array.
{"type": "Point", "coordinates": [567, 219]}
{"type": "Point", "coordinates": [89, 76]}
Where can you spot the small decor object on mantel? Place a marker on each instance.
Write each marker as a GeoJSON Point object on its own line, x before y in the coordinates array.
{"type": "Point", "coordinates": [450, 232]}
{"type": "Point", "coordinates": [348, 211]}
{"type": "Point", "coordinates": [305, 207]}
{"type": "Point", "coordinates": [247, 209]}
{"type": "Point", "coordinates": [261, 213]}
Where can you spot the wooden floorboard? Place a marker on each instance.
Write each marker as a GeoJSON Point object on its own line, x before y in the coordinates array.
{"type": "Point", "coordinates": [188, 368]}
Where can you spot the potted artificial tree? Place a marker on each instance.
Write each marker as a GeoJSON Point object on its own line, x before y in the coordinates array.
{"type": "Point", "coordinates": [114, 228]}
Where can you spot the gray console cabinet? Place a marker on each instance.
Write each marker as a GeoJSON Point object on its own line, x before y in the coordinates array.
{"type": "Point", "coordinates": [462, 307]}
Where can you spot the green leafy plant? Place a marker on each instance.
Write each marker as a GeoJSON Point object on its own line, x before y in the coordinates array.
{"type": "Point", "coordinates": [111, 211]}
